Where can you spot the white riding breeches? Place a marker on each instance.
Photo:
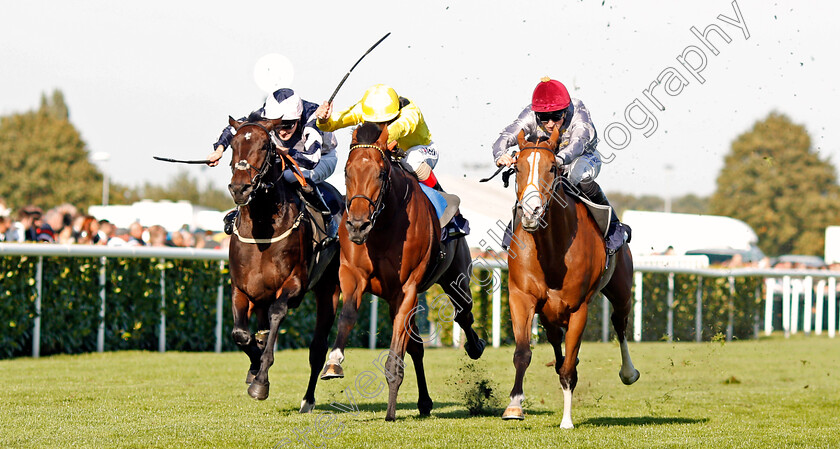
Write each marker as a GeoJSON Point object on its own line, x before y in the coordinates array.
{"type": "Point", "coordinates": [418, 154]}
{"type": "Point", "coordinates": [584, 168]}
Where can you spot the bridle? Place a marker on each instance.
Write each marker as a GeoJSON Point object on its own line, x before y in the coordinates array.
{"type": "Point", "coordinates": [377, 206]}
{"type": "Point", "coordinates": [271, 152]}
{"type": "Point", "coordinates": [554, 170]}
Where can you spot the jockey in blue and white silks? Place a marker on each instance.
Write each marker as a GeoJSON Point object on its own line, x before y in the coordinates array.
{"type": "Point", "coordinates": [299, 136]}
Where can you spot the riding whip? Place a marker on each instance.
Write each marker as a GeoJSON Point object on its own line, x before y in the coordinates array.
{"type": "Point", "coordinates": [166, 159]}
{"type": "Point", "coordinates": [332, 97]}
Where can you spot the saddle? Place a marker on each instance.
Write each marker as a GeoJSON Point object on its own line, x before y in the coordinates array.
{"type": "Point", "coordinates": [324, 245]}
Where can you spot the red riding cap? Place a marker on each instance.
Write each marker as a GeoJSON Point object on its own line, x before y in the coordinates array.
{"type": "Point", "coordinates": [550, 95]}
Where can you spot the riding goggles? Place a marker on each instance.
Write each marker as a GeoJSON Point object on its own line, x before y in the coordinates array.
{"type": "Point", "coordinates": [286, 125]}
{"type": "Point", "coordinates": [555, 116]}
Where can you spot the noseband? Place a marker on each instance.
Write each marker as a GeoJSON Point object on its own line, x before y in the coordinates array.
{"type": "Point", "coordinates": [385, 186]}
{"type": "Point", "coordinates": [268, 161]}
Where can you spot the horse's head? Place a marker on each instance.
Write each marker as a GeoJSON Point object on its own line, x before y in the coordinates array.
{"type": "Point", "coordinates": [366, 178]}
{"type": "Point", "coordinates": [253, 157]}
{"type": "Point", "coordinates": [536, 172]}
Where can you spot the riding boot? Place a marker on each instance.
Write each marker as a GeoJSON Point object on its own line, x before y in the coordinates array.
{"type": "Point", "coordinates": [618, 232]}
{"type": "Point", "coordinates": [458, 226]}
{"type": "Point", "coordinates": [317, 205]}
{"type": "Point", "coordinates": [229, 220]}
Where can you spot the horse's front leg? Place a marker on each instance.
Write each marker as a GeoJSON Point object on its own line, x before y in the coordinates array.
{"type": "Point", "coordinates": [276, 313]}
{"type": "Point", "coordinates": [352, 287]}
{"type": "Point", "coordinates": [401, 311]}
{"type": "Point", "coordinates": [522, 307]}
{"type": "Point", "coordinates": [242, 335]}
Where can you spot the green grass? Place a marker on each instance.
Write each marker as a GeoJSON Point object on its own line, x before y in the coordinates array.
{"type": "Point", "coordinates": [768, 393]}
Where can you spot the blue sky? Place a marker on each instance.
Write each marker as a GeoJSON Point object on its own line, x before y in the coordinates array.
{"type": "Point", "coordinates": [160, 78]}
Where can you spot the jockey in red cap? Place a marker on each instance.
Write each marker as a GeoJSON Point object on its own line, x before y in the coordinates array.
{"type": "Point", "coordinates": [551, 107]}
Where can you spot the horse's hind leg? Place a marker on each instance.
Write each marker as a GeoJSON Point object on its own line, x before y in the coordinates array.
{"type": "Point", "coordinates": [242, 335]}
{"type": "Point", "coordinates": [326, 295]}
{"type": "Point", "coordinates": [521, 316]}
{"type": "Point", "coordinates": [618, 292]}
{"type": "Point", "coordinates": [456, 284]}
{"type": "Point", "coordinates": [415, 350]}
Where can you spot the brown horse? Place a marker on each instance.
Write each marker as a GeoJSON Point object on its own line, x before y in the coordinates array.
{"type": "Point", "coordinates": [270, 254]}
{"type": "Point", "coordinates": [391, 247]}
{"type": "Point", "coordinates": [557, 263]}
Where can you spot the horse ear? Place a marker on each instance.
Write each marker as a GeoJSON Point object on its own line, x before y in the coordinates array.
{"type": "Point", "coordinates": [555, 136]}
{"type": "Point", "coordinates": [235, 124]}
{"type": "Point", "coordinates": [274, 123]}
{"type": "Point", "coordinates": [520, 139]}
{"type": "Point", "coordinates": [383, 136]}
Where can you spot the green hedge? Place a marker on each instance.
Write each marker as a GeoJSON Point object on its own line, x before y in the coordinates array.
{"type": "Point", "coordinates": [70, 308]}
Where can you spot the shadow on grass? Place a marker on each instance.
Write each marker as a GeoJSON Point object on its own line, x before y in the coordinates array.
{"type": "Point", "coordinates": [639, 421]}
{"type": "Point", "coordinates": [376, 407]}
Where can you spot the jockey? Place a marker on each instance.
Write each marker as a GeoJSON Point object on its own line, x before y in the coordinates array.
{"type": "Point", "coordinates": [406, 126]}
{"type": "Point", "coordinates": [551, 106]}
{"type": "Point", "coordinates": [297, 134]}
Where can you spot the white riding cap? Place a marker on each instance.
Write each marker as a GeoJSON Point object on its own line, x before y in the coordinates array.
{"type": "Point", "coordinates": [283, 103]}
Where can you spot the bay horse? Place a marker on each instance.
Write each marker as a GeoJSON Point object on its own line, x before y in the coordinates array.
{"type": "Point", "coordinates": [270, 255]}
{"type": "Point", "coordinates": [557, 262]}
{"type": "Point", "coordinates": [390, 246]}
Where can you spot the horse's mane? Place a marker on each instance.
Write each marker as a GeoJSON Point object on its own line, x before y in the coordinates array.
{"type": "Point", "coordinates": [254, 117]}
{"type": "Point", "coordinates": [367, 133]}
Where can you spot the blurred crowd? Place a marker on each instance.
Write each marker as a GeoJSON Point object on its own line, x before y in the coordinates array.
{"type": "Point", "coordinates": [65, 225]}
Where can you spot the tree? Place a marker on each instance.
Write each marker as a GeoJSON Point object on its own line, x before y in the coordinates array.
{"type": "Point", "coordinates": [43, 160]}
{"type": "Point", "coordinates": [773, 181]}
{"type": "Point", "coordinates": [184, 187]}
{"type": "Point", "coordinates": [687, 204]}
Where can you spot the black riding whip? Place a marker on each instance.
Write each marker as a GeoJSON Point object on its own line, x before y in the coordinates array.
{"type": "Point", "coordinates": [166, 159]}
{"type": "Point", "coordinates": [332, 97]}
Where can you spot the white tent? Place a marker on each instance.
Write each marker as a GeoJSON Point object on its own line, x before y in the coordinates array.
{"type": "Point", "coordinates": [654, 232]}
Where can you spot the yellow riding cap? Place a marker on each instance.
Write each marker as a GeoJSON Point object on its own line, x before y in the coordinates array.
{"type": "Point", "coordinates": [380, 103]}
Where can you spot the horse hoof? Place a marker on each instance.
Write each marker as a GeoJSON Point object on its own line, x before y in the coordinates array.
{"type": "Point", "coordinates": [513, 413]}
{"type": "Point", "coordinates": [475, 351]}
{"type": "Point", "coordinates": [258, 391]}
{"type": "Point", "coordinates": [630, 380]}
{"type": "Point", "coordinates": [332, 371]}
{"type": "Point", "coordinates": [306, 406]}
{"type": "Point", "coordinates": [425, 407]}
{"type": "Point", "coordinates": [250, 377]}
{"type": "Point", "coordinates": [567, 425]}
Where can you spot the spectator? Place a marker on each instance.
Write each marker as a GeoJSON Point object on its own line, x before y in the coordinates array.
{"type": "Point", "coordinates": [106, 231]}
{"type": "Point", "coordinates": [135, 232]}
{"type": "Point", "coordinates": [157, 236]}
{"type": "Point", "coordinates": [5, 220]}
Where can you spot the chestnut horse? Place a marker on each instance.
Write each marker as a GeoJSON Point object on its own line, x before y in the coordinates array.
{"type": "Point", "coordinates": [390, 246]}
{"type": "Point", "coordinates": [557, 263]}
{"type": "Point", "coordinates": [270, 254]}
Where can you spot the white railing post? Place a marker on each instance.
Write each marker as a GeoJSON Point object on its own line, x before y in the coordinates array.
{"type": "Point", "coordinates": [637, 308]}
{"type": "Point", "coordinates": [605, 318]}
{"type": "Point", "coordinates": [730, 320]}
{"type": "Point", "coordinates": [162, 325]}
{"type": "Point", "coordinates": [698, 312]}
{"type": "Point", "coordinates": [36, 322]}
{"type": "Point", "coordinates": [786, 305]}
{"type": "Point", "coordinates": [374, 313]}
{"type": "Point", "coordinates": [100, 334]}
{"type": "Point", "coordinates": [669, 329]}
{"type": "Point", "coordinates": [770, 286]}
{"type": "Point", "coordinates": [807, 290]}
{"type": "Point", "coordinates": [497, 309]}
{"type": "Point", "coordinates": [832, 306]}
{"type": "Point", "coordinates": [795, 291]}
{"type": "Point", "coordinates": [818, 321]}
{"type": "Point", "coordinates": [220, 292]}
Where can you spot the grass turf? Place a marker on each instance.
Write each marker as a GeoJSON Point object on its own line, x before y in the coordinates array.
{"type": "Point", "coordinates": [768, 393]}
